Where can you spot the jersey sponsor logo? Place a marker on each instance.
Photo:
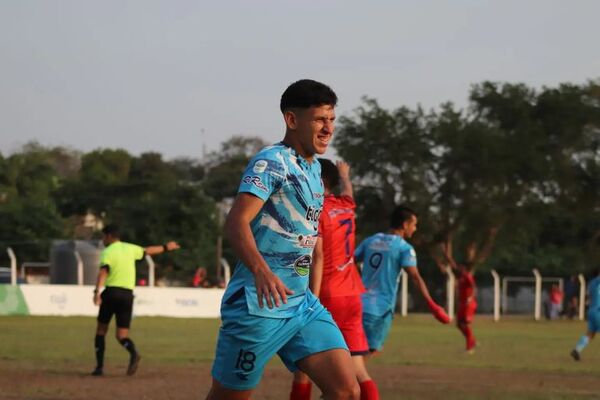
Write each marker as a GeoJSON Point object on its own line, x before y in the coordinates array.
{"type": "Point", "coordinates": [318, 195]}
{"type": "Point", "coordinates": [345, 265]}
{"type": "Point", "coordinates": [313, 214]}
{"type": "Point", "coordinates": [379, 245]}
{"type": "Point", "coordinates": [339, 211]}
{"type": "Point", "coordinates": [302, 265]}
{"type": "Point", "coordinates": [307, 242]}
{"type": "Point", "coordinates": [413, 252]}
{"type": "Point", "coordinates": [256, 181]}
{"type": "Point", "coordinates": [260, 166]}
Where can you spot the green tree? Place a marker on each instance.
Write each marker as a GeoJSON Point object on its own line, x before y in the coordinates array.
{"type": "Point", "coordinates": [28, 214]}
{"type": "Point", "coordinates": [419, 159]}
{"type": "Point", "coordinates": [517, 171]}
{"type": "Point", "coordinates": [555, 132]}
{"type": "Point", "coordinates": [225, 167]}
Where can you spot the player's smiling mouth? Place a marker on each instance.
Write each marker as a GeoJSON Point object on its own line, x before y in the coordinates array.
{"type": "Point", "coordinates": [324, 139]}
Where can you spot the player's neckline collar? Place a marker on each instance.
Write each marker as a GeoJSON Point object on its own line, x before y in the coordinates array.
{"type": "Point", "coordinates": [295, 153]}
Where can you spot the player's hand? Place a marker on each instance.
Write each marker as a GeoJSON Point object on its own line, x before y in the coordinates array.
{"type": "Point", "coordinates": [172, 246]}
{"type": "Point", "coordinates": [270, 288]}
{"type": "Point", "coordinates": [438, 312]}
{"type": "Point", "coordinates": [97, 299]}
{"type": "Point", "coordinates": [441, 315]}
{"type": "Point", "coordinates": [344, 169]}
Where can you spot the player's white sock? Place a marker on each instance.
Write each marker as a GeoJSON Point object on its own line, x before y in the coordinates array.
{"type": "Point", "coordinates": [583, 341]}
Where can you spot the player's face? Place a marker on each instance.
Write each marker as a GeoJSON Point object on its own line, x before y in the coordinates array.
{"type": "Point", "coordinates": [314, 129]}
{"type": "Point", "coordinates": [410, 227]}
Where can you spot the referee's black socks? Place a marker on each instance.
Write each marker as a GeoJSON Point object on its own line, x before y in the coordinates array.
{"type": "Point", "coordinates": [99, 345]}
{"type": "Point", "coordinates": [129, 346]}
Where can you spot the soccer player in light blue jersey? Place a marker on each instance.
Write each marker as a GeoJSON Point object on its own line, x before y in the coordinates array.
{"type": "Point", "coordinates": [384, 255]}
{"type": "Point", "coordinates": [267, 308]}
{"type": "Point", "coordinates": [593, 316]}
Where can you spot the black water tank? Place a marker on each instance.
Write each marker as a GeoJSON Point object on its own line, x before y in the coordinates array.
{"type": "Point", "coordinates": [63, 263]}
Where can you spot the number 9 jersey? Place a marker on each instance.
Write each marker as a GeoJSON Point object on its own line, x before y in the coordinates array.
{"type": "Point", "coordinates": [383, 256]}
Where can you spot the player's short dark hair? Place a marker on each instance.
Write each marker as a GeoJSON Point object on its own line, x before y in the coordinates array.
{"type": "Point", "coordinates": [112, 230]}
{"type": "Point", "coordinates": [329, 173]}
{"type": "Point", "coordinates": [400, 215]}
{"type": "Point", "coordinates": [307, 93]}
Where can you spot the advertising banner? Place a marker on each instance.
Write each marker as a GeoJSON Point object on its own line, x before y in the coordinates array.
{"type": "Point", "coordinates": [69, 300]}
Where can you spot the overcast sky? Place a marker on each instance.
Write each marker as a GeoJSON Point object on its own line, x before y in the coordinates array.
{"type": "Point", "coordinates": [170, 76]}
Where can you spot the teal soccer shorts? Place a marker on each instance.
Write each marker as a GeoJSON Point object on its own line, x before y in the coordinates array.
{"type": "Point", "coordinates": [593, 320]}
{"type": "Point", "coordinates": [377, 329]}
{"type": "Point", "coordinates": [247, 342]}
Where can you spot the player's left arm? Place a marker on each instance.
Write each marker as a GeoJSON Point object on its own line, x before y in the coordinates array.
{"type": "Point", "coordinates": [437, 311]}
{"type": "Point", "coordinates": [345, 183]}
{"type": "Point", "coordinates": [414, 274]}
{"type": "Point", "coordinates": [316, 270]}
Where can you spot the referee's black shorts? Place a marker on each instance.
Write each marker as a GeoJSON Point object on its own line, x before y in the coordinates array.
{"type": "Point", "coordinates": [117, 301]}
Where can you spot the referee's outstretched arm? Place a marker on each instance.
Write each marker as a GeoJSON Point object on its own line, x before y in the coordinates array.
{"type": "Point", "coordinates": [169, 246]}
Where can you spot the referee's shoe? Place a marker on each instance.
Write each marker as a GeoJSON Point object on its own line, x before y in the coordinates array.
{"type": "Point", "coordinates": [134, 361]}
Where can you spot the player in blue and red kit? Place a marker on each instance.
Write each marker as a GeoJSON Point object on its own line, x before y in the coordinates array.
{"type": "Point", "coordinates": [273, 228]}
{"type": "Point", "coordinates": [384, 255]}
{"type": "Point", "coordinates": [593, 316]}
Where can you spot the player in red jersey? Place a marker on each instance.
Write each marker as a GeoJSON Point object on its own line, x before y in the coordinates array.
{"type": "Point", "coordinates": [467, 304]}
{"type": "Point", "coordinates": [335, 278]}
{"type": "Point", "coordinates": [467, 288]}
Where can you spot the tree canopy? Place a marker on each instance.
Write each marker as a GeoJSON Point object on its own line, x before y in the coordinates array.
{"type": "Point", "coordinates": [510, 182]}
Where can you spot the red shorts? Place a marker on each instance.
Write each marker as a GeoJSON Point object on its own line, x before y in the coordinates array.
{"type": "Point", "coordinates": [466, 312]}
{"type": "Point", "coordinates": [347, 314]}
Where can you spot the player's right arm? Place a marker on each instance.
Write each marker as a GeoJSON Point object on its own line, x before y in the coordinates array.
{"type": "Point", "coordinates": [437, 311]}
{"type": "Point", "coordinates": [100, 279]}
{"type": "Point", "coordinates": [345, 183]}
{"type": "Point", "coordinates": [237, 229]}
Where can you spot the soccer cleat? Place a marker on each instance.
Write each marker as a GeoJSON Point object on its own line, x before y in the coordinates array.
{"type": "Point", "coordinates": [575, 355]}
{"type": "Point", "coordinates": [133, 364]}
{"type": "Point", "coordinates": [97, 372]}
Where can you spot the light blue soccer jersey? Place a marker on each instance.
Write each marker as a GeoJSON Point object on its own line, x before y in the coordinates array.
{"type": "Point", "coordinates": [285, 229]}
{"type": "Point", "coordinates": [383, 256]}
{"type": "Point", "coordinates": [594, 293]}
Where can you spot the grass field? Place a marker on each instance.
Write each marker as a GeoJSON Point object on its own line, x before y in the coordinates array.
{"type": "Point", "coordinates": [51, 357]}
